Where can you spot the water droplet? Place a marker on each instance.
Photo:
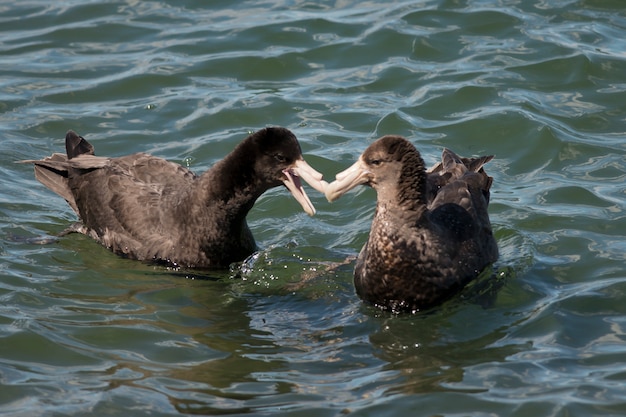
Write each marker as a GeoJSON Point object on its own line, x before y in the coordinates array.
{"type": "Point", "coordinates": [188, 161]}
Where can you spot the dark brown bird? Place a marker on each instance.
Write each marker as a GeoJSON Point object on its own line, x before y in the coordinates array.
{"type": "Point", "coordinates": [147, 208]}
{"type": "Point", "coordinates": [431, 233]}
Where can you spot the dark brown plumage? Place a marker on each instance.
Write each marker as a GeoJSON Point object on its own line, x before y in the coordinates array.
{"type": "Point", "coordinates": [147, 208]}
{"type": "Point", "coordinates": [430, 234]}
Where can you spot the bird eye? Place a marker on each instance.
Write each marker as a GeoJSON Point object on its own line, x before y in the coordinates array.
{"type": "Point", "coordinates": [280, 158]}
{"type": "Point", "coordinates": [376, 162]}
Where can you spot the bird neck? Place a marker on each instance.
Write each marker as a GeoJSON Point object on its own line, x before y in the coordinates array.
{"type": "Point", "coordinates": [407, 192]}
{"type": "Point", "coordinates": [390, 213]}
{"type": "Point", "coordinates": [233, 182]}
{"type": "Point", "coordinates": [412, 181]}
{"type": "Point", "coordinates": [229, 188]}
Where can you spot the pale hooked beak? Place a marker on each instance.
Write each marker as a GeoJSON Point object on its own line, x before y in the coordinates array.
{"type": "Point", "coordinates": [303, 170]}
{"type": "Point", "coordinates": [347, 179]}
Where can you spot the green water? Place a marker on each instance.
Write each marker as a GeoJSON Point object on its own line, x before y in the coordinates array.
{"type": "Point", "coordinates": [542, 85]}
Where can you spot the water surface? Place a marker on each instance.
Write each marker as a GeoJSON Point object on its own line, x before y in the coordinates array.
{"type": "Point", "coordinates": [539, 84]}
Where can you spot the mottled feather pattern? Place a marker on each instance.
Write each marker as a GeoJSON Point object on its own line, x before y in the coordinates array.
{"type": "Point", "coordinates": [430, 234]}
{"type": "Point", "coordinates": [412, 188]}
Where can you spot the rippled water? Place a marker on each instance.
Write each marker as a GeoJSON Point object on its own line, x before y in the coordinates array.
{"type": "Point", "coordinates": [541, 85]}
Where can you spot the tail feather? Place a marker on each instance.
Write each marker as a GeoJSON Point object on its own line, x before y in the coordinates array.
{"type": "Point", "coordinates": [54, 176]}
{"type": "Point", "coordinates": [77, 145]}
{"type": "Point", "coordinates": [476, 164]}
{"type": "Point", "coordinates": [452, 164]}
{"type": "Point", "coordinates": [53, 170]}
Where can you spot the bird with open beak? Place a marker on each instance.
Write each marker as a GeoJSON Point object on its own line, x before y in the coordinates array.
{"type": "Point", "coordinates": [146, 208]}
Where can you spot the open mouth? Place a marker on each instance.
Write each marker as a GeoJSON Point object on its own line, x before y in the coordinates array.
{"type": "Point", "coordinates": [294, 184]}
